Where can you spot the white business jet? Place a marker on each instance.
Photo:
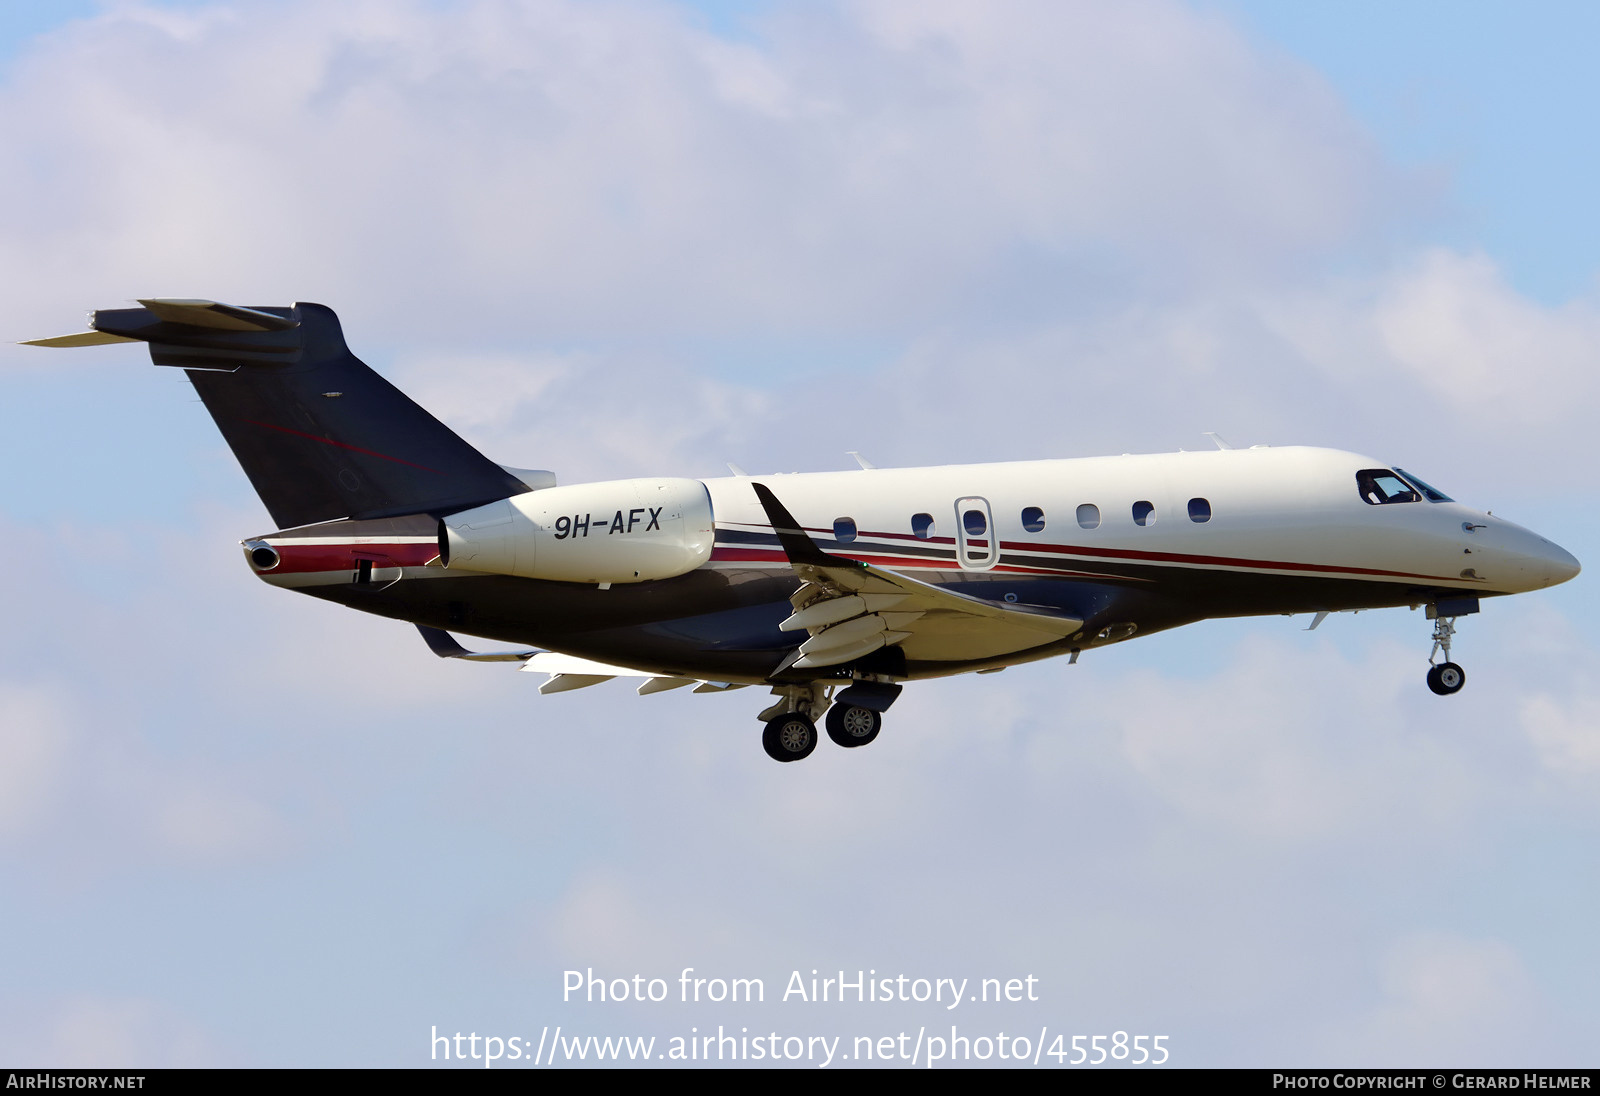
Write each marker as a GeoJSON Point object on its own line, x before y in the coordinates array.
{"type": "Point", "coordinates": [832, 589]}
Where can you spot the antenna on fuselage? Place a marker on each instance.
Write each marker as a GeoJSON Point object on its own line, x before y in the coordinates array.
{"type": "Point", "coordinates": [1216, 439]}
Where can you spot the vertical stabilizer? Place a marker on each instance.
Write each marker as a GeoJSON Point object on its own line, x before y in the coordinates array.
{"type": "Point", "coordinates": [320, 435]}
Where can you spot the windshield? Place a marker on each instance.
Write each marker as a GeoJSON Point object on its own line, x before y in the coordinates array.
{"type": "Point", "coordinates": [1433, 493]}
{"type": "Point", "coordinates": [1379, 486]}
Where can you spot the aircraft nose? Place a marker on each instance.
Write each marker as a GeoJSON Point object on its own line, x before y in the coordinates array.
{"type": "Point", "coordinates": [1544, 563]}
{"type": "Point", "coordinates": [1560, 565]}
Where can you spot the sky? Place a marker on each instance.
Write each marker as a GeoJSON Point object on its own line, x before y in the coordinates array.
{"type": "Point", "coordinates": [239, 827]}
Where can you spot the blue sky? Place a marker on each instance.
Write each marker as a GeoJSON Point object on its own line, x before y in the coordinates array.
{"type": "Point", "coordinates": [1496, 95]}
{"type": "Point", "coordinates": [239, 827]}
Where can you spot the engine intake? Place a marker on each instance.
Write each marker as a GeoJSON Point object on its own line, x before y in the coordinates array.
{"type": "Point", "coordinates": [616, 531]}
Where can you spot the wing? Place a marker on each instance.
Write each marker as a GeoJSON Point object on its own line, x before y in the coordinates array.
{"type": "Point", "coordinates": [567, 671]}
{"type": "Point", "coordinates": [850, 609]}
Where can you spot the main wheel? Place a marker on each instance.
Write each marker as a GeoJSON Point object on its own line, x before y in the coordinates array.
{"type": "Point", "coordinates": [1446, 678]}
{"type": "Point", "coordinates": [789, 737]}
{"type": "Point", "coordinates": [851, 726]}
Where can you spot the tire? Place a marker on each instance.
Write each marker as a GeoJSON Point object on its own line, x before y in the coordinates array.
{"type": "Point", "coordinates": [790, 737]}
{"type": "Point", "coordinates": [850, 726]}
{"type": "Point", "coordinates": [1446, 678]}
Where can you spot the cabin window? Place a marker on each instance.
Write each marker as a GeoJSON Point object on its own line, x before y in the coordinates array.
{"type": "Point", "coordinates": [1144, 512]}
{"type": "Point", "coordinates": [844, 530]}
{"type": "Point", "coordinates": [1433, 493]}
{"type": "Point", "coordinates": [922, 525]}
{"type": "Point", "coordinates": [975, 523]}
{"type": "Point", "coordinates": [1033, 519]}
{"type": "Point", "coordinates": [1089, 516]}
{"type": "Point", "coordinates": [1199, 510]}
{"type": "Point", "coordinates": [1379, 486]}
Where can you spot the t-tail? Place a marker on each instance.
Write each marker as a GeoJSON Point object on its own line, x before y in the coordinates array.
{"type": "Point", "coordinates": [320, 435]}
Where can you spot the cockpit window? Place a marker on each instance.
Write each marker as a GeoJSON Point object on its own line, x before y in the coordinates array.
{"type": "Point", "coordinates": [1378, 486]}
{"type": "Point", "coordinates": [1433, 493]}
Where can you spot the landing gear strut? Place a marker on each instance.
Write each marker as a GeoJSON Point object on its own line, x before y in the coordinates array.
{"type": "Point", "coordinates": [1444, 677]}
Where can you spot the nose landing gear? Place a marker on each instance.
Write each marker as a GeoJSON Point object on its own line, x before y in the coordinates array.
{"type": "Point", "coordinates": [1445, 678]}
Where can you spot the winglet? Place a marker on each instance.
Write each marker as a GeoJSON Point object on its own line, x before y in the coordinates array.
{"type": "Point", "coordinates": [443, 644]}
{"type": "Point", "coordinates": [797, 545]}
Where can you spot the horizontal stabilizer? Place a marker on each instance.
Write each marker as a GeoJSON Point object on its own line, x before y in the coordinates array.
{"type": "Point", "coordinates": [219, 317]}
{"type": "Point", "coordinates": [82, 338]}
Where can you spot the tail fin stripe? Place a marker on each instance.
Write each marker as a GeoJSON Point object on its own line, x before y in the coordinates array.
{"type": "Point", "coordinates": [343, 445]}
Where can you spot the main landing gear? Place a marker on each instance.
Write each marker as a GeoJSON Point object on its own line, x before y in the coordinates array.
{"type": "Point", "coordinates": [793, 736]}
{"type": "Point", "coordinates": [791, 723]}
{"type": "Point", "coordinates": [850, 726]}
{"type": "Point", "coordinates": [1444, 678]}
{"type": "Point", "coordinates": [789, 737]}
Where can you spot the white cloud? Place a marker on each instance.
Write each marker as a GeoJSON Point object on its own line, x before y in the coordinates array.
{"type": "Point", "coordinates": [1455, 323]}
{"type": "Point", "coordinates": [1444, 329]}
{"type": "Point", "coordinates": [91, 1031]}
{"type": "Point", "coordinates": [99, 769]}
{"type": "Point", "coordinates": [591, 416]}
{"type": "Point", "coordinates": [1445, 998]}
{"type": "Point", "coordinates": [1126, 211]}
{"type": "Point", "coordinates": [1565, 732]}
{"type": "Point", "coordinates": [35, 741]}
{"type": "Point", "coordinates": [595, 166]}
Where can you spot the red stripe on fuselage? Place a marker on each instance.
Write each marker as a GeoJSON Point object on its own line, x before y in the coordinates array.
{"type": "Point", "coordinates": [910, 563]}
{"type": "Point", "coordinates": [1168, 557]}
{"type": "Point", "coordinates": [1212, 561]}
{"type": "Point", "coordinates": [302, 558]}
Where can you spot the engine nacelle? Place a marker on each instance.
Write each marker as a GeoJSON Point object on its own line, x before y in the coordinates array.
{"type": "Point", "coordinates": [616, 531]}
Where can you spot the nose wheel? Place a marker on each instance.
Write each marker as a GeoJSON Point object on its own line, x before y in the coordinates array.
{"type": "Point", "coordinates": [1444, 678]}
